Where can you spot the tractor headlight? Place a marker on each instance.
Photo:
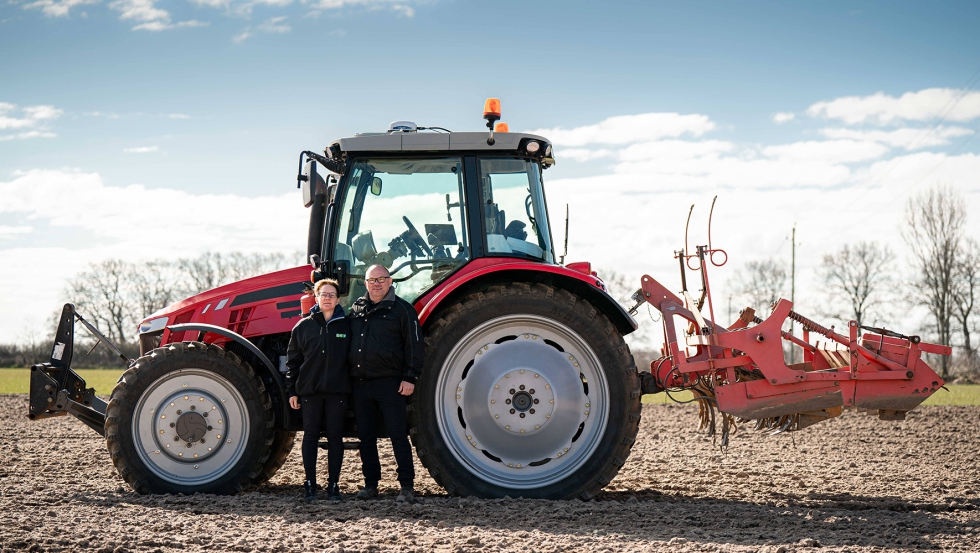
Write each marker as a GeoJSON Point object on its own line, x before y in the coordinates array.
{"type": "Point", "coordinates": [153, 326]}
{"type": "Point", "coordinates": [533, 146]}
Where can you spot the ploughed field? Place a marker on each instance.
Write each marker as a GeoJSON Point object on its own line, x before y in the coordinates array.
{"type": "Point", "coordinates": [851, 484]}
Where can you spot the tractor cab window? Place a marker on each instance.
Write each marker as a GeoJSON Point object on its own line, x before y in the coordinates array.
{"type": "Point", "coordinates": [405, 214]}
{"type": "Point", "coordinates": [514, 211]}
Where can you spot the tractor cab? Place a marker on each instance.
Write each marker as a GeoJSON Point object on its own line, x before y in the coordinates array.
{"type": "Point", "coordinates": [424, 203]}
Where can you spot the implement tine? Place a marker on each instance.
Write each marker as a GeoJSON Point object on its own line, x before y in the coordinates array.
{"type": "Point", "coordinates": [785, 426]}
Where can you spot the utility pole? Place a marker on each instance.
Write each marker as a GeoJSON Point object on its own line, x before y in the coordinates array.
{"type": "Point", "coordinates": [792, 290]}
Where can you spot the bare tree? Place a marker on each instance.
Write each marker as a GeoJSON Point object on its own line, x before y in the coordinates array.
{"type": "Point", "coordinates": [210, 270]}
{"type": "Point", "coordinates": [859, 275]}
{"type": "Point", "coordinates": [759, 283]}
{"type": "Point", "coordinates": [101, 293]}
{"type": "Point", "coordinates": [966, 288]}
{"type": "Point", "coordinates": [203, 272]}
{"type": "Point", "coordinates": [153, 286]}
{"type": "Point", "coordinates": [933, 230]}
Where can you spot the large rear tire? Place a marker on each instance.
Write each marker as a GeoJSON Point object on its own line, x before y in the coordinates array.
{"type": "Point", "coordinates": [527, 391]}
{"type": "Point", "coordinates": [191, 417]}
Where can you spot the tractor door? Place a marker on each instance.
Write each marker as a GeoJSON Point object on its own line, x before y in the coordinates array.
{"type": "Point", "coordinates": [406, 214]}
{"type": "Point", "coordinates": [514, 211]}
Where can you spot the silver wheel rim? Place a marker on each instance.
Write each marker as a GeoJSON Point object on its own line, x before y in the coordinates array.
{"type": "Point", "coordinates": [486, 383]}
{"type": "Point", "coordinates": [168, 431]}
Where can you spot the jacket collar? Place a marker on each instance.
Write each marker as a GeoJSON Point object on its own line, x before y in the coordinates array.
{"type": "Point", "coordinates": [364, 305]}
{"type": "Point", "coordinates": [317, 314]}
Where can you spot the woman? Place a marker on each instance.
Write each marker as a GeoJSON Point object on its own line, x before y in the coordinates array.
{"type": "Point", "coordinates": [317, 379]}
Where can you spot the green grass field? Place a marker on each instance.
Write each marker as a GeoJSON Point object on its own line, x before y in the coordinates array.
{"type": "Point", "coordinates": [16, 381]}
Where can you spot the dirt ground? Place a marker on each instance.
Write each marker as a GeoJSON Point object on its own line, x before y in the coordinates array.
{"type": "Point", "coordinates": [851, 484]}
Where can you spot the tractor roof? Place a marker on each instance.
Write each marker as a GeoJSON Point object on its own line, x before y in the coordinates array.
{"type": "Point", "coordinates": [432, 141]}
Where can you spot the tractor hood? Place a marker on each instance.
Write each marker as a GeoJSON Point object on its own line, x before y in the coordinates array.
{"type": "Point", "coordinates": [261, 305]}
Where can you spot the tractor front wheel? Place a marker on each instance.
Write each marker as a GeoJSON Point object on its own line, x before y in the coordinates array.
{"type": "Point", "coordinates": [190, 417]}
{"type": "Point", "coordinates": [527, 391]}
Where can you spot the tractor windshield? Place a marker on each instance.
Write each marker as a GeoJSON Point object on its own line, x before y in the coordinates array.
{"type": "Point", "coordinates": [405, 214]}
{"type": "Point", "coordinates": [515, 216]}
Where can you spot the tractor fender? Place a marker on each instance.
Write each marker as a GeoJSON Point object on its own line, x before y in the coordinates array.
{"type": "Point", "coordinates": [232, 335]}
{"type": "Point", "coordinates": [584, 286]}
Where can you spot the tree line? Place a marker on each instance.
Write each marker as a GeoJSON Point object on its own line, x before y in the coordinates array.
{"type": "Point", "coordinates": [862, 281]}
{"type": "Point", "coordinates": [865, 282]}
{"type": "Point", "coordinates": [115, 295]}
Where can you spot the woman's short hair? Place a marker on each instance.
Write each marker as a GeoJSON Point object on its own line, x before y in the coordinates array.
{"type": "Point", "coordinates": [327, 281]}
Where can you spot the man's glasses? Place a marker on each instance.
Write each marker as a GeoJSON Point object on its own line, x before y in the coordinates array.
{"type": "Point", "coordinates": [328, 296]}
{"type": "Point", "coordinates": [378, 280]}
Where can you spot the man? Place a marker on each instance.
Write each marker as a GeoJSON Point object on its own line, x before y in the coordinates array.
{"type": "Point", "coordinates": [386, 358]}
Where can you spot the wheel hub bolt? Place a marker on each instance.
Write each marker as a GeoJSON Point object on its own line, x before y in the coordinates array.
{"type": "Point", "coordinates": [522, 386]}
{"type": "Point", "coordinates": [176, 438]}
{"type": "Point", "coordinates": [532, 391]}
{"type": "Point", "coordinates": [172, 425]}
{"type": "Point", "coordinates": [523, 415]}
{"type": "Point", "coordinates": [202, 440]}
{"type": "Point", "coordinates": [530, 411]}
{"type": "Point", "coordinates": [535, 401]}
{"type": "Point", "coordinates": [179, 411]}
{"type": "Point", "coordinates": [193, 408]}
{"type": "Point", "coordinates": [205, 413]}
{"type": "Point", "coordinates": [513, 391]}
{"type": "Point", "coordinates": [512, 411]}
{"type": "Point", "coordinates": [507, 401]}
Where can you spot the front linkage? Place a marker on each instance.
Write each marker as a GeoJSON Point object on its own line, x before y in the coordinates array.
{"type": "Point", "coordinates": [56, 389]}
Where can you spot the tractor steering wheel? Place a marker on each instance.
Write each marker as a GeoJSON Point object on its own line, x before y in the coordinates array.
{"type": "Point", "coordinates": [416, 238]}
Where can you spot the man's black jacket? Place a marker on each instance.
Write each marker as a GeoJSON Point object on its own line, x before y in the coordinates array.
{"type": "Point", "coordinates": [387, 339]}
{"type": "Point", "coordinates": [316, 358]}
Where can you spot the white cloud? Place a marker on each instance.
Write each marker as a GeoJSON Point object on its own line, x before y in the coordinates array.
{"type": "Point", "coordinates": [141, 150]}
{"type": "Point", "coordinates": [583, 154]}
{"type": "Point", "coordinates": [28, 134]}
{"type": "Point", "coordinates": [783, 117]}
{"type": "Point", "coordinates": [120, 222]}
{"type": "Point", "coordinates": [101, 114]}
{"type": "Point", "coordinates": [31, 117]}
{"type": "Point", "coordinates": [908, 138]}
{"type": "Point", "coordinates": [831, 151]}
{"type": "Point", "coordinates": [403, 10]}
{"type": "Point", "coordinates": [880, 108]}
{"type": "Point", "coordinates": [57, 8]}
{"type": "Point", "coordinates": [32, 122]}
{"type": "Point", "coordinates": [245, 35]}
{"type": "Point", "coordinates": [626, 129]}
{"type": "Point", "coordinates": [150, 17]}
{"type": "Point", "coordinates": [178, 116]}
{"type": "Point", "coordinates": [165, 26]}
{"type": "Point", "coordinates": [400, 7]}
{"type": "Point", "coordinates": [275, 25]}
{"type": "Point", "coordinates": [10, 232]}
{"type": "Point", "coordinates": [139, 10]}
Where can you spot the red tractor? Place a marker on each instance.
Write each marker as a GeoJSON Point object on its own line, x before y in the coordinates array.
{"type": "Point", "coordinates": [528, 388]}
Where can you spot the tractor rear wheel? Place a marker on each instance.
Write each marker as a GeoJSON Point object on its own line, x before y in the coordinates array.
{"type": "Point", "coordinates": [190, 417]}
{"type": "Point", "coordinates": [527, 391]}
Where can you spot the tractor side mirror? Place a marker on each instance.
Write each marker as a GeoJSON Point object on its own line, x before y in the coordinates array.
{"type": "Point", "coordinates": [341, 272]}
{"type": "Point", "coordinates": [312, 183]}
{"type": "Point", "coordinates": [376, 186]}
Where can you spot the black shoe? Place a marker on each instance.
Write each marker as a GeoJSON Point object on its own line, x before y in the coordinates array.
{"type": "Point", "coordinates": [407, 495]}
{"type": "Point", "coordinates": [310, 491]}
{"type": "Point", "coordinates": [333, 492]}
{"type": "Point", "coordinates": [367, 492]}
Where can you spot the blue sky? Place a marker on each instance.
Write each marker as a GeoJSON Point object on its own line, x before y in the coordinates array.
{"type": "Point", "coordinates": [130, 103]}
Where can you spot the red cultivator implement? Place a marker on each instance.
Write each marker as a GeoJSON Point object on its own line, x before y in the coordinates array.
{"type": "Point", "coordinates": [742, 371]}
